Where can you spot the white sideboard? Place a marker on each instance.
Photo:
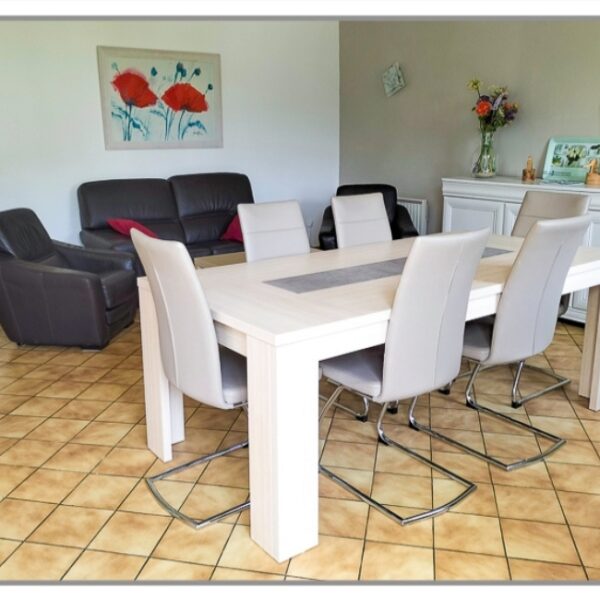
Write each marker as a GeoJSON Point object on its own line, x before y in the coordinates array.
{"type": "Point", "coordinates": [471, 203]}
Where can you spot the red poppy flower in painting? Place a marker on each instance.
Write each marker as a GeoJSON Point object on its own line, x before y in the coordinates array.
{"type": "Point", "coordinates": [134, 89]}
{"type": "Point", "coordinates": [184, 96]}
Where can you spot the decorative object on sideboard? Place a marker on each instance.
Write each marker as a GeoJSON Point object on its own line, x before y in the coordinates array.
{"type": "Point", "coordinates": [568, 158]}
{"type": "Point", "coordinates": [529, 171]}
{"type": "Point", "coordinates": [160, 99]}
{"type": "Point", "coordinates": [493, 111]}
{"type": "Point", "coordinates": [593, 177]}
{"type": "Point", "coordinates": [393, 79]}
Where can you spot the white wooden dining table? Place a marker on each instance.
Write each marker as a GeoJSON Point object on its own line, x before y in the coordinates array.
{"type": "Point", "coordinates": [284, 334]}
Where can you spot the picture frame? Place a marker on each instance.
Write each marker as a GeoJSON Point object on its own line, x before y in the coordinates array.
{"type": "Point", "coordinates": [160, 99]}
{"type": "Point", "coordinates": [567, 158]}
{"type": "Point", "coordinates": [393, 79]}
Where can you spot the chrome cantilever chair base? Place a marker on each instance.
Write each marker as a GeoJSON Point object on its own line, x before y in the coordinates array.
{"type": "Point", "coordinates": [517, 400]}
{"type": "Point", "coordinates": [195, 523]}
{"type": "Point", "coordinates": [174, 512]}
{"type": "Point", "coordinates": [360, 416]}
{"type": "Point", "coordinates": [469, 486]}
{"type": "Point", "coordinates": [472, 403]}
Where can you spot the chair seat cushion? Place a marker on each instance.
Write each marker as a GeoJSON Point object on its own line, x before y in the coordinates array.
{"type": "Point", "coordinates": [478, 339]}
{"type": "Point", "coordinates": [361, 371]}
{"type": "Point", "coordinates": [117, 286]}
{"type": "Point", "coordinates": [233, 376]}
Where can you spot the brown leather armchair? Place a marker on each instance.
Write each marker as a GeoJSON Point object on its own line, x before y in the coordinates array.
{"type": "Point", "coordinates": [53, 293]}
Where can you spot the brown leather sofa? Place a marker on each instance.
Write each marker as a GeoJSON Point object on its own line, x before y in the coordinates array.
{"type": "Point", "coordinates": [193, 209]}
{"type": "Point", "coordinates": [58, 294]}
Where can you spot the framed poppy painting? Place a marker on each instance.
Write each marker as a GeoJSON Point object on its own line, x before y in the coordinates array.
{"type": "Point", "coordinates": [160, 99]}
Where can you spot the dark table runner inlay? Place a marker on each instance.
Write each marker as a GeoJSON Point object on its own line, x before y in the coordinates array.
{"type": "Point", "coordinates": [311, 282]}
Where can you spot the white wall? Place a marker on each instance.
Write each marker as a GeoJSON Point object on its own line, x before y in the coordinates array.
{"type": "Point", "coordinates": [280, 99]}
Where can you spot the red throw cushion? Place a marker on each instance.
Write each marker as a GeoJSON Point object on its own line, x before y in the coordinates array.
{"type": "Point", "coordinates": [233, 233]}
{"type": "Point", "coordinates": [124, 226]}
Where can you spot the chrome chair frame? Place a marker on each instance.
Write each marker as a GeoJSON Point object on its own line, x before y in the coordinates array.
{"type": "Point", "coordinates": [383, 437]}
{"type": "Point", "coordinates": [178, 514]}
{"type": "Point", "coordinates": [195, 523]}
{"type": "Point", "coordinates": [517, 400]}
{"type": "Point", "coordinates": [471, 402]}
{"type": "Point", "coordinates": [360, 416]}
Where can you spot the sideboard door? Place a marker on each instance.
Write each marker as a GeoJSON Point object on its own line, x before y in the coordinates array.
{"type": "Point", "coordinates": [511, 210]}
{"type": "Point", "coordinates": [468, 214]}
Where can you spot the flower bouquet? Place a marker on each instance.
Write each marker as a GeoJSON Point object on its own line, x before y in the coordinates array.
{"type": "Point", "coordinates": [493, 111]}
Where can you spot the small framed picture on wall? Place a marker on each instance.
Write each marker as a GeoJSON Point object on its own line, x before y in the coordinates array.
{"type": "Point", "coordinates": [393, 79]}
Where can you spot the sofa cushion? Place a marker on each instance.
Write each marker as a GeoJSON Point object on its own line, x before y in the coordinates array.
{"type": "Point", "coordinates": [117, 287]}
{"type": "Point", "coordinates": [143, 200]}
{"type": "Point", "coordinates": [233, 233]}
{"type": "Point", "coordinates": [214, 247]}
{"type": "Point", "coordinates": [124, 227]}
{"type": "Point", "coordinates": [224, 247]}
{"type": "Point", "coordinates": [207, 202]}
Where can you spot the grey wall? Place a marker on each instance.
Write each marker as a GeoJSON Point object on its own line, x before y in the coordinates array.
{"type": "Point", "coordinates": [427, 131]}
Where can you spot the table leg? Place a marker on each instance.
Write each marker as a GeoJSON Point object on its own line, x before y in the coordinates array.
{"type": "Point", "coordinates": [589, 381]}
{"type": "Point", "coordinates": [164, 403]}
{"type": "Point", "coordinates": [284, 447]}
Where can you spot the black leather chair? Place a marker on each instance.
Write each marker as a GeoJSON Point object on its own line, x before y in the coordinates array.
{"type": "Point", "coordinates": [400, 221]}
{"type": "Point", "coordinates": [53, 293]}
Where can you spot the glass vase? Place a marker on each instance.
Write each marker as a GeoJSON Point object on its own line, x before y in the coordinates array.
{"type": "Point", "coordinates": [485, 164]}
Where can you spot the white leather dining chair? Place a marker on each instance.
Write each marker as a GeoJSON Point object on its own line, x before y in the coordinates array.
{"type": "Point", "coordinates": [192, 359]}
{"type": "Point", "coordinates": [539, 206]}
{"type": "Point", "coordinates": [542, 205]}
{"type": "Point", "coordinates": [360, 219]}
{"type": "Point", "coordinates": [524, 324]}
{"type": "Point", "coordinates": [423, 345]}
{"type": "Point", "coordinates": [273, 229]}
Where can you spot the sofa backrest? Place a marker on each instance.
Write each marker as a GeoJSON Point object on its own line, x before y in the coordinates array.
{"type": "Point", "coordinates": [207, 202]}
{"type": "Point", "coordinates": [23, 236]}
{"type": "Point", "coordinates": [148, 201]}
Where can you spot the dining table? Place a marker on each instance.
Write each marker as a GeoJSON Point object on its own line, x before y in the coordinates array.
{"type": "Point", "coordinates": [285, 315]}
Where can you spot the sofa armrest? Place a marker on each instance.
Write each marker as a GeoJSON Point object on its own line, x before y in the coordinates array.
{"type": "Point", "coordinates": [94, 260]}
{"type": "Point", "coordinates": [402, 225]}
{"type": "Point", "coordinates": [327, 236]}
{"type": "Point", "coordinates": [40, 303]}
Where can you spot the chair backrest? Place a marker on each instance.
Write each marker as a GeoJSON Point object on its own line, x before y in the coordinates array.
{"type": "Point", "coordinates": [23, 236]}
{"type": "Point", "coordinates": [360, 220]}
{"type": "Point", "coordinates": [188, 342]}
{"type": "Point", "coordinates": [389, 193]}
{"type": "Point", "coordinates": [538, 206]}
{"type": "Point", "coordinates": [526, 315]}
{"type": "Point", "coordinates": [425, 335]}
{"type": "Point", "coordinates": [273, 229]}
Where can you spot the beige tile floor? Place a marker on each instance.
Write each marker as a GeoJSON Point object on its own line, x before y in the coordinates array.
{"type": "Point", "coordinates": [74, 505]}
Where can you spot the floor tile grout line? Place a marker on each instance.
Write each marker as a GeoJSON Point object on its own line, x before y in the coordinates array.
{"type": "Point", "coordinates": [115, 445]}
{"type": "Point", "coordinates": [567, 524]}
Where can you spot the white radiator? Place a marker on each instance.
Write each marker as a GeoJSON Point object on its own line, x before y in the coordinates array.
{"type": "Point", "coordinates": [417, 209]}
